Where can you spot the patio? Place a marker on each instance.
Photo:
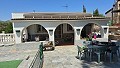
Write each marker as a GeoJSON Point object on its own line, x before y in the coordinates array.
{"type": "Point", "coordinates": [20, 52]}
{"type": "Point", "coordinates": [65, 57]}
{"type": "Point", "coordinates": [61, 57]}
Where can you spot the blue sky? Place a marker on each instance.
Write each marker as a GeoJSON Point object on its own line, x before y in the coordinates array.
{"type": "Point", "coordinates": [11, 6]}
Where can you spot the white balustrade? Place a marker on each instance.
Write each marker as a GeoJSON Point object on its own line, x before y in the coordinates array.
{"type": "Point", "coordinates": [7, 39]}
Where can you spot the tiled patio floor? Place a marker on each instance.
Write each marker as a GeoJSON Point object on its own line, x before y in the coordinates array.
{"type": "Point", "coordinates": [65, 57]}
{"type": "Point", "coordinates": [18, 51]}
{"type": "Point", "coordinates": [61, 57]}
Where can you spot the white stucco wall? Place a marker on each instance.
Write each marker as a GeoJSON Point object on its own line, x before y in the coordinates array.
{"type": "Point", "coordinates": [17, 15]}
{"type": "Point", "coordinates": [51, 25]}
{"type": "Point", "coordinates": [18, 38]}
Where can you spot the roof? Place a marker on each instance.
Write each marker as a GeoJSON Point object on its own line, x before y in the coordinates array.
{"type": "Point", "coordinates": [116, 11]}
{"type": "Point", "coordinates": [81, 18]}
{"type": "Point", "coordinates": [109, 10]}
{"type": "Point", "coordinates": [57, 16]}
{"type": "Point", "coordinates": [116, 24]}
{"type": "Point", "coordinates": [113, 27]}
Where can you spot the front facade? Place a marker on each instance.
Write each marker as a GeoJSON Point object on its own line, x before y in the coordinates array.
{"type": "Point", "coordinates": [61, 28]}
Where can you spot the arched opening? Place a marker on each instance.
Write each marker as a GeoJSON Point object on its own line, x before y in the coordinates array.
{"type": "Point", "coordinates": [64, 34]}
{"type": "Point", "coordinates": [34, 32]}
{"type": "Point", "coordinates": [90, 30]}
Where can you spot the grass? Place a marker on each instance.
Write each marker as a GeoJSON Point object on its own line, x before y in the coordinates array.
{"type": "Point", "coordinates": [10, 64]}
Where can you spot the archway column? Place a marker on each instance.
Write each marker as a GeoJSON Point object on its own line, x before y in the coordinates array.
{"type": "Point", "coordinates": [18, 35]}
{"type": "Point", "coordinates": [51, 35]}
{"type": "Point", "coordinates": [106, 31]}
{"type": "Point", "coordinates": [77, 34]}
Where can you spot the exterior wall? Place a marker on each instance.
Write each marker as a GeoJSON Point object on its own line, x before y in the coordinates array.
{"type": "Point", "coordinates": [51, 25]}
{"type": "Point", "coordinates": [18, 37]}
{"type": "Point", "coordinates": [116, 15]}
{"type": "Point", "coordinates": [109, 14]}
{"type": "Point", "coordinates": [118, 12]}
{"type": "Point", "coordinates": [17, 15]}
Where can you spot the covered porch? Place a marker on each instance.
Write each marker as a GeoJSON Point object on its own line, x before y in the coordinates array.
{"type": "Point", "coordinates": [58, 27]}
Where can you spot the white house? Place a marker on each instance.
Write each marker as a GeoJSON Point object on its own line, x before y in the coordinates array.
{"type": "Point", "coordinates": [59, 27]}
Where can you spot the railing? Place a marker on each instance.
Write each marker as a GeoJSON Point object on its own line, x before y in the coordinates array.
{"type": "Point", "coordinates": [7, 38]}
{"type": "Point", "coordinates": [38, 59]}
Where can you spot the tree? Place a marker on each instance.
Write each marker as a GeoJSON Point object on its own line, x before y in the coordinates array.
{"type": "Point", "coordinates": [84, 9]}
{"type": "Point", "coordinates": [96, 13]}
{"type": "Point", "coordinates": [6, 26]}
{"type": "Point", "coordinates": [9, 28]}
{"type": "Point", "coordinates": [101, 15]}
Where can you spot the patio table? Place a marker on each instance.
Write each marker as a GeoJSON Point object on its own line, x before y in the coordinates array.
{"type": "Point", "coordinates": [99, 49]}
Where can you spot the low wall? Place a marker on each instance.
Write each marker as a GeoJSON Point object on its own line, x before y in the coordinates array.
{"type": "Point", "coordinates": [38, 59]}
{"type": "Point", "coordinates": [7, 39]}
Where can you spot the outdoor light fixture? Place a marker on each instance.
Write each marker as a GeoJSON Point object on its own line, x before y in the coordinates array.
{"type": "Point", "coordinates": [51, 32]}
{"type": "Point", "coordinates": [78, 31]}
{"type": "Point", "coordinates": [105, 30]}
{"type": "Point", "coordinates": [17, 31]}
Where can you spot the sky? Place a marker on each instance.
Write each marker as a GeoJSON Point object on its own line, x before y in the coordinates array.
{"type": "Point", "coordinates": [11, 6]}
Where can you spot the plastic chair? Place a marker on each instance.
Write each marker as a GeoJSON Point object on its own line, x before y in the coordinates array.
{"type": "Point", "coordinates": [81, 50]}
{"type": "Point", "coordinates": [100, 51]}
{"type": "Point", "coordinates": [118, 44]}
{"type": "Point", "coordinates": [114, 50]}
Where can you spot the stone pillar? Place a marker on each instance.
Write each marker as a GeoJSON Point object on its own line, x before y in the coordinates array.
{"type": "Point", "coordinates": [51, 35]}
{"type": "Point", "coordinates": [18, 34]}
{"type": "Point", "coordinates": [77, 32]}
{"type": "Point", "coordinates": [105, 32]}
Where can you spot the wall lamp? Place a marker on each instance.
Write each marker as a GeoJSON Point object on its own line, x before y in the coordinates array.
{"type": "Point", "coordinates": [51, 32]}
{"type": "Point", "coordinates": [17, 31]}
{"type": "Point", "coordinates": [78, 31]}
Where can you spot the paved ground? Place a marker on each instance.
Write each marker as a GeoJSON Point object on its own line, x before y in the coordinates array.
{"type": "Point", "coordinates": [65, 57]}
{"type": "Point", "coordinates": [18, 51]}
{"type": "Point", "coordinates": [61, 57]}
